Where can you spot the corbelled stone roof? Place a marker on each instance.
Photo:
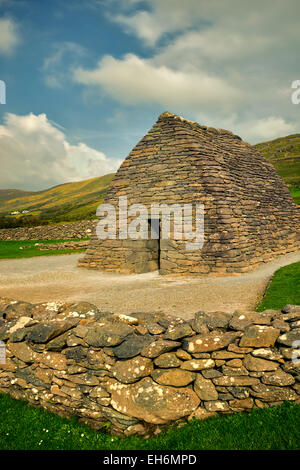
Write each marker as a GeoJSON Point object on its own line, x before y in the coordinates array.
{"type": "Point", "coordinates": [165, 116]}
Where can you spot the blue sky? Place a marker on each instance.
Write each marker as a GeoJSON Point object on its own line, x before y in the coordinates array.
{"type": "Point", "coordinates": [85, 80]}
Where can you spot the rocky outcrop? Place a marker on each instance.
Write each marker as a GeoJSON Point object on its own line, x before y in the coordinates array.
{"type": "Point", "coordinates": [142, 372]}
{"type": "Point", "coordinates": [82, 229]}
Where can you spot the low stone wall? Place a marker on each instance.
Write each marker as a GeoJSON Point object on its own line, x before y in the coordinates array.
{"type": "Point", "coordinates": [73, 245]}
{"type": "Point", "coordinates": [81, 229]}
{"type": "Point", "coordinates": [136, 374]}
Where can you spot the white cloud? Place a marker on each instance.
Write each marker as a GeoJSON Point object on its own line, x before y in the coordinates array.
{"type": "Point", "coordinates": [266, 129]}
{"type": "Point", "coordinates": [56, 65]}
{"type": "Point", "coordinates": [37, 155]}
{"type": "Point", "coordinates": [162, 17]}
{"type": "Point", "coordinates": [221, 54]}
{"type": "Point", "coordinates": [227, 64]}
{"type": "Point", "coordinates": [9, 36]}
{"type": "Point", "coordinates": [133, 80]}
{"type": "Point", "coordinates": [213, 47]}
{"type": "Point", "coordinates": [251, 129]}
{"type": "Point", "coordinates": [170, 16]}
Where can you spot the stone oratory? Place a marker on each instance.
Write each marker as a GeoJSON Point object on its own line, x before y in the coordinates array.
{"type": "Point", "coordinates": [249, 214]}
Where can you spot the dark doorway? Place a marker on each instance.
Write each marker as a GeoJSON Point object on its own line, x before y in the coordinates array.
{"type": "Point", "coordinates": [155, 235]}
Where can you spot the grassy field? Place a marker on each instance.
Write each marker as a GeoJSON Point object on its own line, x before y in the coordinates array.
{"type": "Point", "coordinates": [11, 249]}
{"type": "Point", "coordinates": [23, 427]}
{"type": "Point", "coordinates": [295, 192]}
{"type": "Point", "coordinates": [283, 289]}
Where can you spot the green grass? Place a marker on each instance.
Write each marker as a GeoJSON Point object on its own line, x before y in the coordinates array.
{"type": "Point", "coordinates": [283, 289]}
{"type": "Point", "coordinates": [10, 249]}
{"type": "Point", "coordinates": [24, 427]}
{"type": "Point", "coordinates": [295, 192]}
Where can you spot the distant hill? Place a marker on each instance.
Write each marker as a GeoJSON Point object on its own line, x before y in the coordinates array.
{"type": "Point", "coordinates": [63, 203]}
{"type": "Point", "coordinates": [7, 194]}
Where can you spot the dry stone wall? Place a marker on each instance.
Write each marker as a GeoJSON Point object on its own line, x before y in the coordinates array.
{"type": "Point", "coordinates": [82, 229]}
{"type": "Point", "coordinates": [73, 245]}
{"type": "Point", "coordinates": [142, 372]}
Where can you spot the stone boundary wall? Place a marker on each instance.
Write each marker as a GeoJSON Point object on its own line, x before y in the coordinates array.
{"type": "Point", "coordinates": [136, 374]}
{"type": "Point", "coordinates": [81, 229]}
{"type": "Point", "coordinates": [76, 245]}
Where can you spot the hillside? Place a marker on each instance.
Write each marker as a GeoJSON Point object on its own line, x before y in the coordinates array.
{"type": "Point", "coordinates": [7, 194]}
{"type": "Point", "coordinates": [66, 202]}
{"type": "Point", "coordinates": [284, 154]}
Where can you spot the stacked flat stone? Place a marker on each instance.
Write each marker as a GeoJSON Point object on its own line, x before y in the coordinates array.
{"type": "Point", "coordinates": [143, 371]}
{"type": "Point", "coordinates": [81, 229]}
{"type": "Point", "coordinates": [77, 245]}
{"type": "Point", "coordinates": [250, 216]}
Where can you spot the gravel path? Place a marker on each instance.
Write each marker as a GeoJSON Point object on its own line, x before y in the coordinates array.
{"type": "Point", "coordinates": [57, 278]}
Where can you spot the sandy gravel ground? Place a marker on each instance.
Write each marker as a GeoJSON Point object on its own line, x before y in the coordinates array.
{"type": "Point", "coordinates": [57, 278]}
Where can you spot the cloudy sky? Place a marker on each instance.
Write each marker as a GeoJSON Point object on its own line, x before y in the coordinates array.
{"type": "Point", "coordinates": [85, 80]}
